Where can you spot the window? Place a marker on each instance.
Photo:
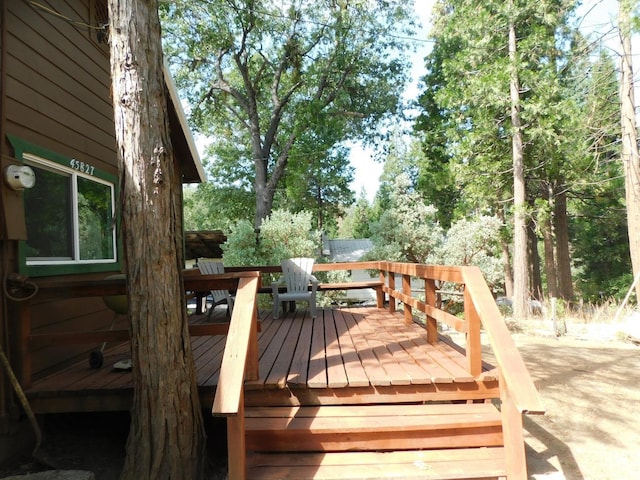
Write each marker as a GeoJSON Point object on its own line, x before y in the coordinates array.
{"type": "Point", "coordinates": [68, 214]}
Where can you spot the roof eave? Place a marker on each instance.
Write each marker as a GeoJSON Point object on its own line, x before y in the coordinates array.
{"type": "Point", "coordinates": [181, 137]}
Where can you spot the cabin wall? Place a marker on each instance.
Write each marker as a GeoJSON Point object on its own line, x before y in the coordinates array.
{"type": "Point", "coordinates": [58, 83]}
{"type": "Point", "coordinates": [56, 95]}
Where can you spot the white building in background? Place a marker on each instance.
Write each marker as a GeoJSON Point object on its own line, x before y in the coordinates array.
{"type": "Point", "coordinates": [352, 250]}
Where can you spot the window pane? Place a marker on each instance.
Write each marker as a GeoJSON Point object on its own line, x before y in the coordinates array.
{"type": "Point", "coordinates": [94, 220]}
{"type": "Point", "coordinates": [48, 216]}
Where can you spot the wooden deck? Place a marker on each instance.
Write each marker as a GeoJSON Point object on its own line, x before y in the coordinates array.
{"type": "Point", "coordinates": [345, 356]}
{"type": "Point", "coordinates": [403, 400]}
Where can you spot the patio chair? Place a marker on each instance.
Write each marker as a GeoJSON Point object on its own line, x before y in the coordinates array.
{"type": "Point", "coordinates": [296, 276]}
{"type": "Point", "coordinates": [208, 267]}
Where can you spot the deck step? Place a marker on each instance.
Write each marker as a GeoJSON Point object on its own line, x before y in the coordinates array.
{"type": "Point", "coordinates": [458, 464]}
{"type": "Point", "coordinates": [372, 427]}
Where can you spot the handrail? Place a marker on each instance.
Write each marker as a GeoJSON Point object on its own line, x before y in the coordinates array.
{"type": "Point", "coordinates": [237, 362]}
{"type": "Point", "coordinates": [53, 288]}
{"type": "Point", "coordinates": [480, 308]}
{"type": "Point", "coordinates": [512, 367]}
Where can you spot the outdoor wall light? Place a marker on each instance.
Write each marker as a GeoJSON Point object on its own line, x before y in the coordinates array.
{"type": "Point", "coordinates": [20, 177]}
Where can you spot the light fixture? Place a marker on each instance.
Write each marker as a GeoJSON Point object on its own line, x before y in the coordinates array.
{"type": "Point", "coordinates": [20, 177]}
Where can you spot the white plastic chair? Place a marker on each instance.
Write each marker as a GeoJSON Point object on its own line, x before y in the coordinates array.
{"type": "Point", "coordinates": [296, 276]}
{"type": "Point", "coordinates": [208, 267]}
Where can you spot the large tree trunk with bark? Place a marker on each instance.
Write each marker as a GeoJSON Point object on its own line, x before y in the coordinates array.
{"type": "Point", "coordinates": [630, 157]}
{"type": "Point", "coordinates": [166, 439]}
{"type": "Point", "coordinates": [520, 267]}
{"type": "Point", "coordinates": [563, 255]}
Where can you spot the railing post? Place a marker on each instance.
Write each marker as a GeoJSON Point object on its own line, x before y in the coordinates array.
{"type": "Point", "coordinates": [430, 299]}
{"type": "Point", "coordinates": [406, 289]}
{"type": "Point", "coordinates": [392, 286]}
{"type": "Point", "coordinates": [474, 347]}
{"type": "Point", "coordinates": [236, 445]}
{"type": "Point", "coordinates": [512, 428]}
{"type": "Point", "coordinates": [380, 290]}
{"type": "Point", "coordinates": [252, 367]}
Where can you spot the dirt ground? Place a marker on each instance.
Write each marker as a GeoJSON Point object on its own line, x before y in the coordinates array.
{"type": "Point", "coordinates": [590, 385]}
{"type": "Point", "coordinates": [589, 380]}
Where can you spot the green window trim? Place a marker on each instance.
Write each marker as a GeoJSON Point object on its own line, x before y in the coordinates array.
{"type": "Point", "coordinates": [80, 172]}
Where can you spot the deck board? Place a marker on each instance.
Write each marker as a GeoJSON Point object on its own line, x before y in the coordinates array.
{"type": "Point", "coordinates": [362, 348]}
{"type": "Point", "coordinates": [336, 373]}
{"type": "Point", "coordinates": [356, 375]}
{"type": "Point", "coordinates": [280, 370]}
{"type": "Point", "coordinates": [317, 359]}
{"type": "Point", "coordinates": [298, 373]}
{"type": "Point", "coordinates": [375, 372]}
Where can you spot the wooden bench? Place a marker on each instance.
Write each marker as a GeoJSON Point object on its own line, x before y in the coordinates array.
{"type": "Point", "coordinates": [374, 284]}
{"type": "Point", "coordinates": [337, 286]}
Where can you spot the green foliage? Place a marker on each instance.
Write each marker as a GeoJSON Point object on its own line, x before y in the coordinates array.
{"type": "Point", "coordinates": [407, 230]}
{"type": "Point", "coordinates": [215, 207]}
{"type": "Point", "coordinates": [600, 241]}
{"type": "Point", "coordinates": [332, 297]}
{"type": "Point", "coordinates": [241, 247]}
{"type": "Point", "coordinates": [357, 220]}
{"type": "Point", "coordinates": [319, 184]}
{"type": "Point", "coordinates": [570, 115]}
{"type": "Point", "coordinates": [283, 235]}
{"type": "Point", "coordinates": [474, 241]}
{"type": "Point", "coordinates": [278, 86]}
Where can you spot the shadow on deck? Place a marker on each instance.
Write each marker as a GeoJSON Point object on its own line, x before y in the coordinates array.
{"type": "Point", "coordinates": [345, 356]}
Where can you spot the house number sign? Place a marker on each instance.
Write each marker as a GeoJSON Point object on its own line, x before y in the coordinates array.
{"type": "Point", "coordinates": [81, 166]}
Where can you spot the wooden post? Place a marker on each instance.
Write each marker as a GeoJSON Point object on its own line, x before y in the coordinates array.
{"type": "Point", "coordinates": [430, 299]}
{"type": "Point", "coordinates": [474, 346]}
{"type": "Point", "coordinates": [406, 289]}
{"type": "Point", "coordinates": [380, 291]}
{"type": "Point", "coordinates": [512, 430]}
{"type": "Point", "coordinates": [392, 286]}
{"type": "Point", "coordinates": [252, 367]}
{"type": "Point", "coordinates": [236, 444]}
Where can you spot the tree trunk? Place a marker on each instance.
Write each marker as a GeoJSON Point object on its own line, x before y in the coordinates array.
{"type": "Point", "coordinates": [520, 268]}
{"type": "Point", "coordinates": [629, 154]}
{"type": "Point", "coordinates": [166, 438]}
{"type": "Point", "coordinates": [549, 254]}
{"type": "Point", "coordinates": [264, 200]}
{"type": "Point", "coordinates": [563, 257]}
{"type": "Point", "coordinates": [535, 279]}
{"type": "Point", "coordinates": [506, 260]}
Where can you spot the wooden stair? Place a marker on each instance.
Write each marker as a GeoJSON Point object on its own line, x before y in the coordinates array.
{"type": "Point", "coordinates": [431, 441]}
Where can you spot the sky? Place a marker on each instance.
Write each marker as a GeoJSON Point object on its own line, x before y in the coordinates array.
{"type": "Point", "coordinates": [367, 170]}
{"type": "Point", "coordinates": [599, 19]}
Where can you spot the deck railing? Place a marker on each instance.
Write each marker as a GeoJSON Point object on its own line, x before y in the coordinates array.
{"type": "Point", "coordinates": [239, 362]}
{"type": "Point", "coordinates": [517, 392]}
{"type": "Point", "coordinates": [480, 311]}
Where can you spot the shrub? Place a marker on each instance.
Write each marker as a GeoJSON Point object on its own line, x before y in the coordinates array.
{"type": "Point", "coordinates": [282, 235]}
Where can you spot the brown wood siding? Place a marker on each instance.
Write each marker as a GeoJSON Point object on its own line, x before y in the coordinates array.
{"type": "Point", "coordinates": [57, 84]}
{"type": "Point", "coordinates": [70, 315]}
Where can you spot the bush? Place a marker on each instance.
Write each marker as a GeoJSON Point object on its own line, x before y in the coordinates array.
{"type": "Point", "coordinates": [282, 235]}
